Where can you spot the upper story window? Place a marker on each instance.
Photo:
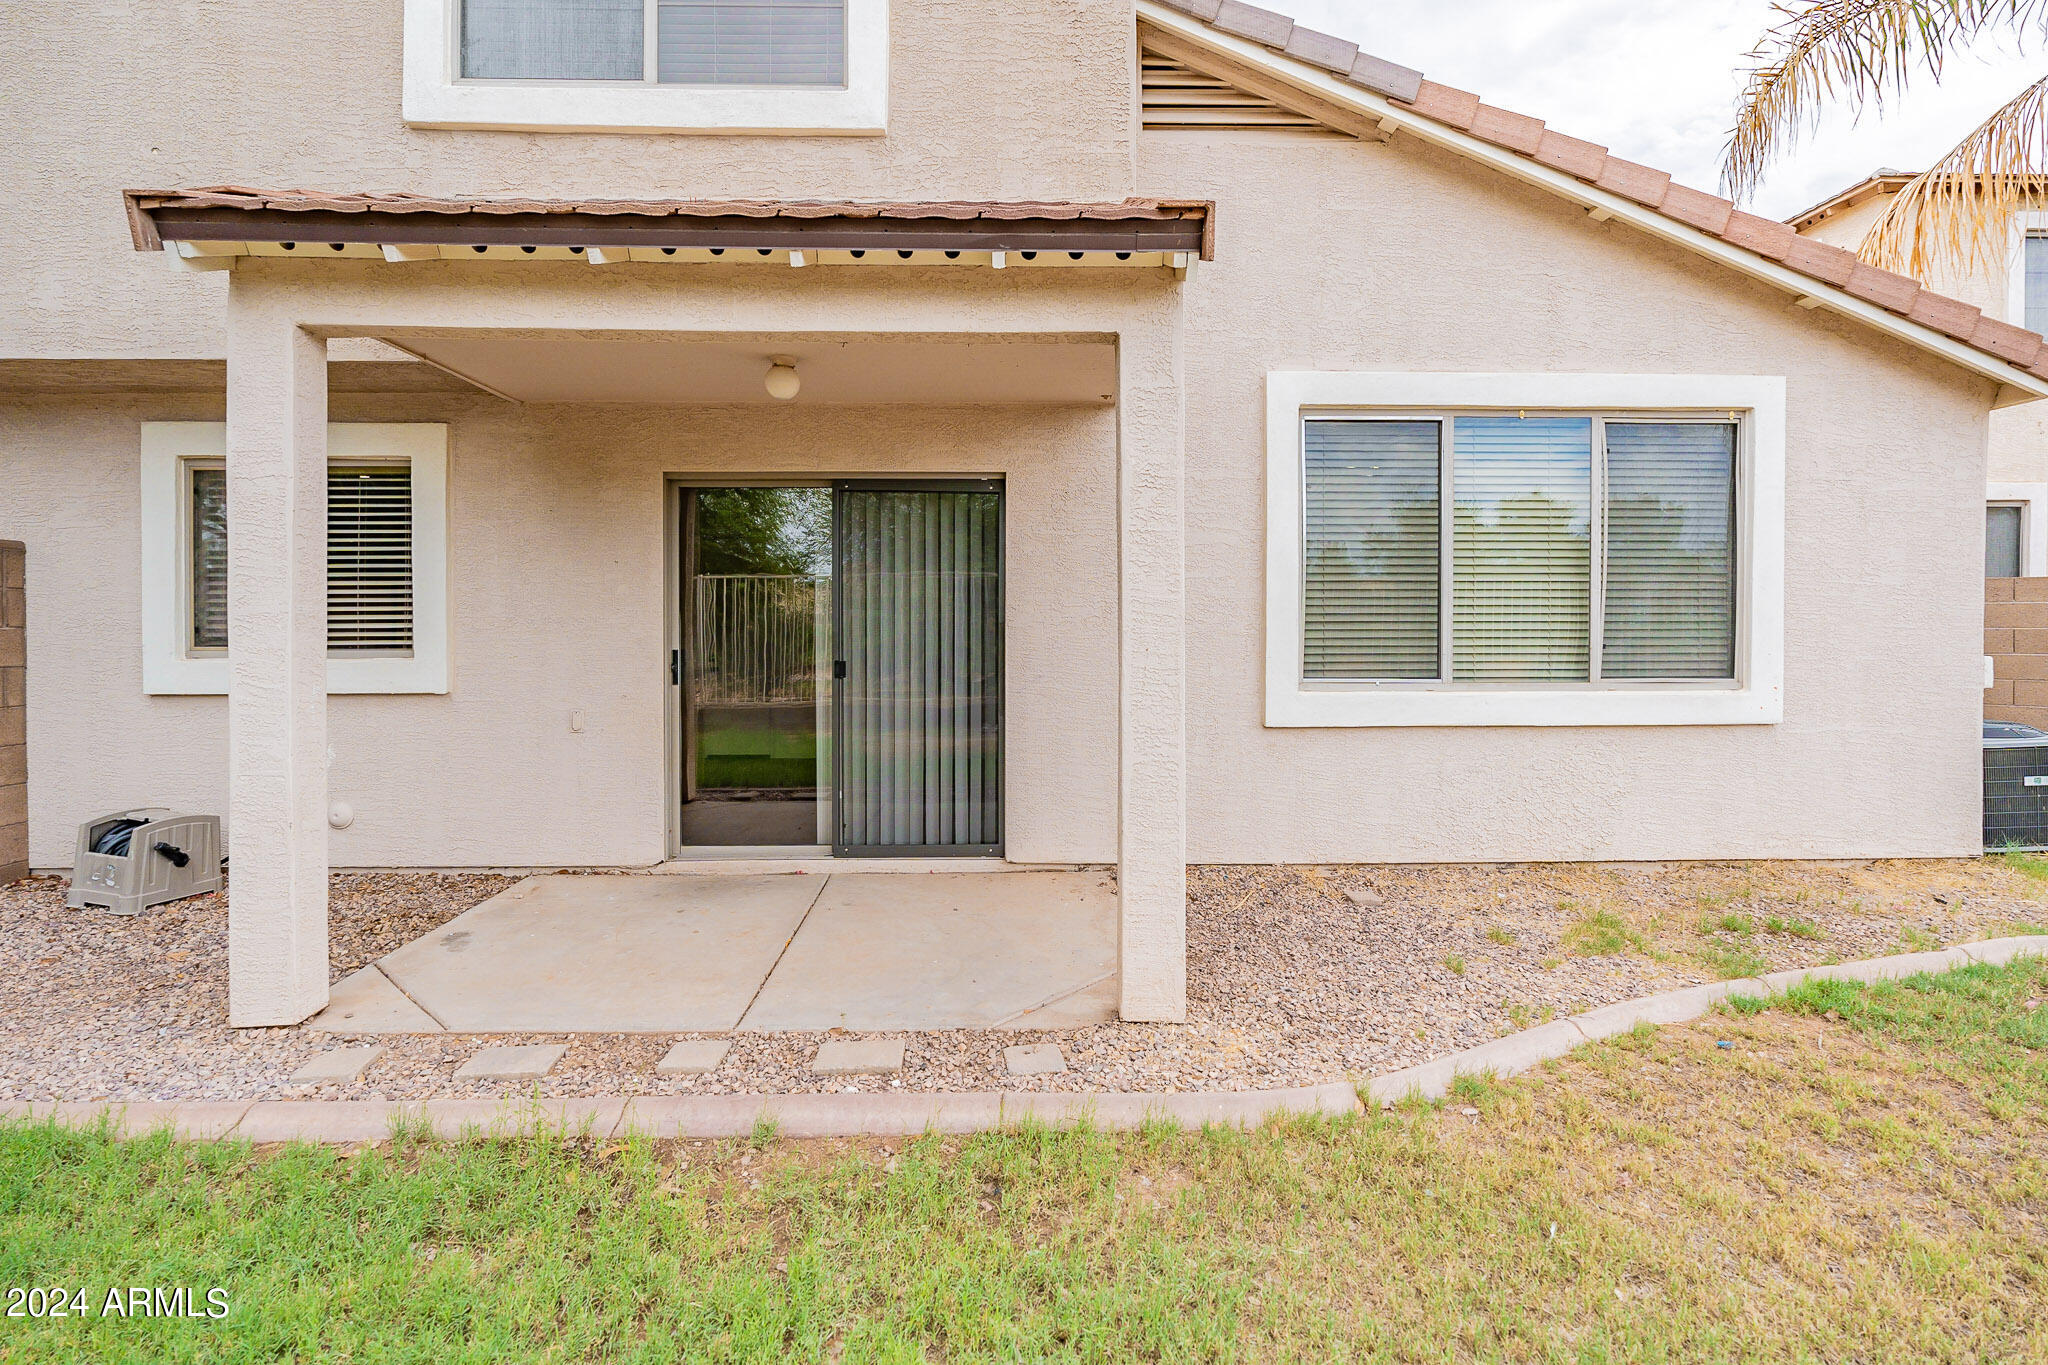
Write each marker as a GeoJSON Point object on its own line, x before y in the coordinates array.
{"type": "Point", "coordinates": [680, 66]}
{"type": "Point", "coordinates": [667, 42]}
{"type": "Point", "coordinates": [1482, 549]}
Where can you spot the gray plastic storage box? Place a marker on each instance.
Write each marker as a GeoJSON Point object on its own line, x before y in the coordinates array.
{"type": "Point", "coordinates": [133, 859]}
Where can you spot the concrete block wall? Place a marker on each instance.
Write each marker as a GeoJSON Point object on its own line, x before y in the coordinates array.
{"type": "Point", "coordinates": [2016, 638]}
{"type": "Point", "coordinates": [13, 713]}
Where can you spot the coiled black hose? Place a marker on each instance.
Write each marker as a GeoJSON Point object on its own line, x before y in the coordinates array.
{"type": "Point", "coordinates": [113, 840]}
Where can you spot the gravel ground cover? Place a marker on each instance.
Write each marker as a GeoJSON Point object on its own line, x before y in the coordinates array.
{"type": "Point", "coordinates": [1296, 975]}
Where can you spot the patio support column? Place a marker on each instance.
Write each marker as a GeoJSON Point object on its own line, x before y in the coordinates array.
{"type": "Point", "coordinates": [1152, 649]}
{"type": "Point", "coordinates": [277, 649]}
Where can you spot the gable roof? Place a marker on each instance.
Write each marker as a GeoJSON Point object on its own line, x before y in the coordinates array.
{"type": "Point", "coordinates": [1401, 100]}
{"type": "Point", "coordinates": [1881, 181]}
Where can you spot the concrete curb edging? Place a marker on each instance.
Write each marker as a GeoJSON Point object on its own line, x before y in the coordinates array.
{"type": "Point", "coordinates": [901, 1114]}
{"type": "Point", "coordinates": [1518, 1052]}
{"type": "Point", "coordinates": [692, 1116]}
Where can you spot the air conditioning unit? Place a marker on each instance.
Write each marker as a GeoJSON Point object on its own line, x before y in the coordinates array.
{"type": "Point", "coordinates": [2015, 786]}
{"type": "Point", "coordinates": [133, 859]}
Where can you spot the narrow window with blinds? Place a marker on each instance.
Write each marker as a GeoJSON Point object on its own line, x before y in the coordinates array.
{"type": "Point", "coordinates": [2035, 267]}
{"type": "Point", "coordinates": [1374, 535]}
{"type": "Point", "coordinates": [369, 559]}
{"type": "Point", "coordinates": [694, 42]}
{"type": "Point", "coordinates": [1579, 549]}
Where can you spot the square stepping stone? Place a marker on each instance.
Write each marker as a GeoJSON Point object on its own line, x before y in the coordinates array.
{"type": "Point", "coordinates": [337, 1066]}
{"type": "Point", "coordinates": [1034, 1059]}
{"type": "Point", "coordinates": [858, 1056]}
{"type": "Point", "coordinates": [693, 1057]}
{"type": "Point", "coordinates": [512, 1063]}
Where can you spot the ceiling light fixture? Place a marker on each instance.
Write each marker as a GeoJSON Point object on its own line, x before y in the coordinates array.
{"type": "Point", "coordinates": [782, 381]}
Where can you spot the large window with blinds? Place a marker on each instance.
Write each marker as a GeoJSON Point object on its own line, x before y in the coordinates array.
{"type": "Point", "coordinates": [1527, 550]}
{"type": "Point", "coordinates": [659, 42]}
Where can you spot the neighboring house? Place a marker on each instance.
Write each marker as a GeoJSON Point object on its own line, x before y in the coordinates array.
{"type": "Point", "coordinates": [1209, 443]}
{"type": "Point", "coordinates": [2015, 291]}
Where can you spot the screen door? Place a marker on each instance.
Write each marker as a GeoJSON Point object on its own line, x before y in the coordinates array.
{"type": "Point", "coordinates": [918, 764]}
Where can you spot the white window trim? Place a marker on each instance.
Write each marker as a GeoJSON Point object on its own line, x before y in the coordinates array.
{"type": "Point", "coordinates": [1756, 699]}
{"type": "Point", "coordinates": [2026, 223]}
{"type": "Point", "coordinates": [436, 97]}
{"type": "Point", "coordinates": [2032, 500]}
{"type": "Point", "coordinates": [171, 668]}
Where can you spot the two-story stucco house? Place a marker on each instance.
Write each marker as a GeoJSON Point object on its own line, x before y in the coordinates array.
{"type": "Point", "coordinates": [2014, 290]}
{"type": "Point", "coordinates": [1139, 432]}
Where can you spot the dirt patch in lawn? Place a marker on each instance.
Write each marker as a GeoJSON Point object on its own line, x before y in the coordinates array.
{"type": "Point", "coordinates": [1296, 975]}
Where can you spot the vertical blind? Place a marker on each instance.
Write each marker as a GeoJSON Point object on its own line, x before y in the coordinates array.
{"type": "Point", "coordinates": [1521, 548]}
{"type": "Point", "coordinates": [561, 40]}
{"type": "Point", "coordinates": [697, 42]}
{"type": "Point", "coordinates": [1670, 551]}
{"type": "Point", "coordinates": [1533, 573]}
{"type": "Point", "coordinates": [1374, 534]}
{"type": "Point", "coordinates": [369, 559]}
{"type": "Point", "coordinates": [920, 718]}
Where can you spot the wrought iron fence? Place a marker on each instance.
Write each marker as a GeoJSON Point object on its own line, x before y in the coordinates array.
{"type": "Point", "coordinates": [754, 638]}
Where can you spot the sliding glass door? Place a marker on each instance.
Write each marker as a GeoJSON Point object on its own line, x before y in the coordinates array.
{"type": "Point", "coordinates": [918, 668]}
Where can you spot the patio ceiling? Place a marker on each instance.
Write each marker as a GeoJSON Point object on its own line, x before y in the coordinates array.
{"type": "Point", "coordinates": [576, 367]}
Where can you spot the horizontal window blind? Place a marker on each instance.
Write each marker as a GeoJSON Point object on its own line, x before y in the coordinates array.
{"type": "Point", "coordinates": [564, 40]}
{"type": "Point", "coordinates": [1373, 530]}
{"type": "Point", "coordinates": [369, 559]}
{"type": "Point", "coordinates": [209, 558]}
{"type": "Point", "coordinates": [1521, 553]}
{"type": "Point", "coordinates": [1670, 598]}
{"type": "Point", "coordinates": [751, 42]}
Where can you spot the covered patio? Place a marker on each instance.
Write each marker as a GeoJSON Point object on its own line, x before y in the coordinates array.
{"type": "Point", "coordinates": [982, 316]}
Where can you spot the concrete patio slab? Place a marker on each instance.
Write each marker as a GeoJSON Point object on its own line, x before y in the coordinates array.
{"type": "Point", "coordinates": [337, 1066]}
{"type": "Point", "coordinates": [693, 1057]}
{"type": "Point", "coordinates": [948, 950]}
{"type": "Point", "coordinates": [858, 1056]}
{"type": "Point", "coordinates": [606, 954]}
{"type": "Point", "coordinates": [528, 1063]}
{"type": "Point", "coordinates": [365, 1001]}
{"type": "Point", "coordinates": [1034, 1059]}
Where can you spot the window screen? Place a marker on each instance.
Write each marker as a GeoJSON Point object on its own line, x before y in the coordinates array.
{"type": "Point", "coordinates": [697, 42]}
{"type": "Point", "coordinates": [369, 559]}
{"type": "Point", "coordinates": [561, 40]}
{"type": "Point", "coordinates": [2035, 265]}
{"type": "Point", "coordinates": [1521, 557]}
{"type": "Point", "coordinates": [2002, 557]}
{"type": "Point", "coordinates": [1670, 608]}
{"type": "Point", "coordinates": [1373, 533]}
{"type": "Point", "coordinates": [752, 42]}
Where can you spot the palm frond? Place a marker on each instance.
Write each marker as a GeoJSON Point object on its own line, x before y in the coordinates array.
{"type": "Point", "coordinates": [1952, 217]}
{"type": "Point", "coordinates": [1854, 51]}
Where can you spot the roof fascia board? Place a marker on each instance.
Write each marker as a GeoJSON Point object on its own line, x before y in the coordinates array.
{"type": "Point", "coordinates": [1393, 118]}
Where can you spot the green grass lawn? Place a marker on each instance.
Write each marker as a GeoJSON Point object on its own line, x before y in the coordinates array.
{"type": "Point", "coordinates": [1858, 1175]}
{"type": "Point", "coordinates": [732, 756]}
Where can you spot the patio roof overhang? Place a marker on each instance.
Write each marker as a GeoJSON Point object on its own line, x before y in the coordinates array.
{"type": "Point", "coordinates": [209, 228]}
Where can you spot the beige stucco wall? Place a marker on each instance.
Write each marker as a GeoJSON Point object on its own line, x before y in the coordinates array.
{"type": "Point", "coordinates": [557, 561]}
{"type": "Point", "coordinates": [989, 99]}
{"type": "Point", "coordinates": [1412, 260]}
{"type": "Point", "coordinates": [2019, 435]}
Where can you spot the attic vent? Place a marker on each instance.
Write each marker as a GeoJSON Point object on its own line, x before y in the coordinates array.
{"type": "Point", "coordinates": [1178, 96]}
{"type": "Point", "coordinates": [369, 558]}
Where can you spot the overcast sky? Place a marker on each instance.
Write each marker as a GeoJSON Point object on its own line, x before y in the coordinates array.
{"type": "Point", "coordinates": [1655, 81]}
